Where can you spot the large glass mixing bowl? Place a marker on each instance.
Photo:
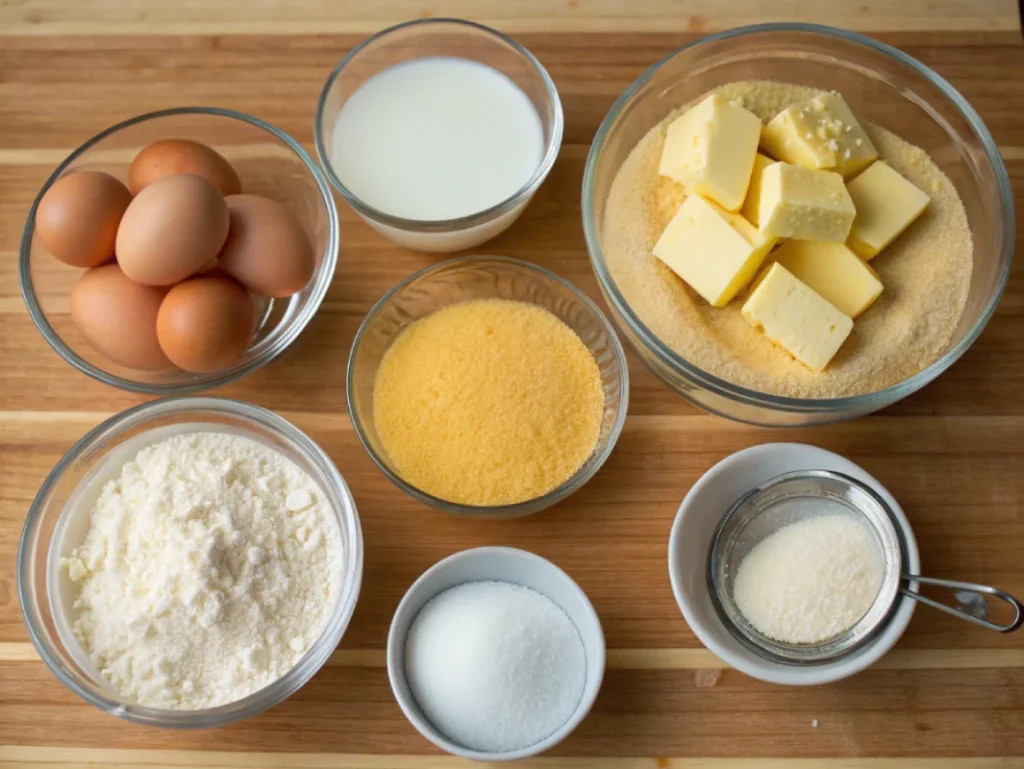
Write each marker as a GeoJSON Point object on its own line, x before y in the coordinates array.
{"type": "Point", "coordinates": [886, 87]}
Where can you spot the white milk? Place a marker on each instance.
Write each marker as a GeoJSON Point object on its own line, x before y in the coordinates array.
{"type": "Point", "coordinates": [437, 138]}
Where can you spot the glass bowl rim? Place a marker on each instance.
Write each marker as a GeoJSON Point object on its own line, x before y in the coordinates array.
{"type": "Point", "coordinates": [312, 660]}
{"type": "Point", "coordinates": [322, 278]}
{"type": "Point", "coordinates": [468, 221]}
{"type": "Point", "coordinates": [526, 507]}
{"type": "Point", "coordinates": [720, 387]}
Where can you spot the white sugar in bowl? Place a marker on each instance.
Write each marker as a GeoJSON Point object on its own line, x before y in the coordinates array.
{"type": "Point", "coordinates": [549, 620]}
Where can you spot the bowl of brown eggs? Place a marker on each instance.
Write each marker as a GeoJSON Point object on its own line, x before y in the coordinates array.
{"type": "Point", "coordinates": [179, 250]}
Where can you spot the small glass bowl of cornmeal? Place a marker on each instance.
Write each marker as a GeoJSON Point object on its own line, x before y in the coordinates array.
{"type": "Point", "coordinates": [487, 387]}
{"type": "Point", "coordinates": [438, 132]}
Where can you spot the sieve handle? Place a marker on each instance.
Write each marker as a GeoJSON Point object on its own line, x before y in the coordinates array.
{"type": "Point", "coordinates": [967, 587]}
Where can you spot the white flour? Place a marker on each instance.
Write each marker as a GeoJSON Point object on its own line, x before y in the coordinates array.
{"type": "Point", "coordinates": [211, 564]}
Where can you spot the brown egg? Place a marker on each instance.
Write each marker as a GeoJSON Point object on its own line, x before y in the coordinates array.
{"type": "Point", "coordinates": [118, 317]}
{"type": "Point", "coordinates": [172, 230]}
{"type": "Point", "coordinates": [206, 323]}
{"type": "Point", "coordinates": [78, 216]}
{"type": "Point", "coordinates": [267, 251]}
{"type": "Point", "coordinates": [182, 156]}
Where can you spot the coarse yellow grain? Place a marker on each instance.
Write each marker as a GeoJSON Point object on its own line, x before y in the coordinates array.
{"type": "Point", "coordinates": [488, 402]}
{"type": "Point", "coordinates": [926, 272]}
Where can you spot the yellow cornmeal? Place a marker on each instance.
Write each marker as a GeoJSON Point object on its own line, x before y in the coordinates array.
{"type": "Point", "coordinates": [488, 402]}
{"type": "Point", "coordinates": [926, 273]}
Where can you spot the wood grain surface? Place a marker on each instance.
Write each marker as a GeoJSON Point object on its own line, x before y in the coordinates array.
{"type": "Point", "coordinates": [949, 697]}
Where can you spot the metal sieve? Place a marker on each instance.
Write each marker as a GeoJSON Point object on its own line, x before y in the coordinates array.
{"type": "Point", "coordinates": [796, 496]}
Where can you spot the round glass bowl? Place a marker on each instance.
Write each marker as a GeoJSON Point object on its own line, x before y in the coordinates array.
{"type": "Point", "coordinates": [887, 87]}
{"type": "Point", "coordinates": [450, 38]}
{"type": "Point", "coordinates": [269, 163]}
{"type": "Point", "coordinates": [485, 277]}
{"type": "Point", "coordinates": [57, 516]}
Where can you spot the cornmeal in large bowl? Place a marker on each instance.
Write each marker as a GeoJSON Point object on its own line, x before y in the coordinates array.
{"type": "Point", "coordinates": [793, 329]}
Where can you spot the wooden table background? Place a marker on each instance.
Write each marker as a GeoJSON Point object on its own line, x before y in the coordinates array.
{"type": "Point", "coordinates": [951, 696]}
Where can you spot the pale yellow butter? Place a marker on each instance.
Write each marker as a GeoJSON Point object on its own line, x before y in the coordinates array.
{"type": "Point", "coordinates": [821, 133]}
{"type": "Point", "coordinates": [800, 203]}
{"type": "Point", "coordinates": [798, 319]}
{"type": "Point", "coordinates": [710, 150]}
{"type": "Point", "coordinates": [886, 205]}
{"type": "Point", "coordinates": [752, 203]}
{"type": "Point", "coordinates": [715, 251]}
{"type": "Point", "coordinates": [834, 271]}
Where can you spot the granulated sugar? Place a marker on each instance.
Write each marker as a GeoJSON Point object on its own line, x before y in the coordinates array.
{"type": "Point", "coordinates": [926, 273]}
{"type": "Point", "coordinates": [495, 666]}
{"type": "Point", "coordinates": [811, 580]}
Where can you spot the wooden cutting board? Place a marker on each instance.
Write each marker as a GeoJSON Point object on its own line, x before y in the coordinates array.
{"type": "Point", "coordinates": [950, 697]}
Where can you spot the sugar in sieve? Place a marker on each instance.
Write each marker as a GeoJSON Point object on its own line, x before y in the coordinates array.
{"type": "Point", "coordinates": [795, 496]}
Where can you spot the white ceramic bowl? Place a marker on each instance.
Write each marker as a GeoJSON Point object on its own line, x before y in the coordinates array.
{"type": "Point", "coordinates": [503, 564]}
{"type": "Point", "coordinates": [694, 528]}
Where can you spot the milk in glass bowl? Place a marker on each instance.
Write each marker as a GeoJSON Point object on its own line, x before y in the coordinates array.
{"type": "Point", "coordinates": [438, 132]}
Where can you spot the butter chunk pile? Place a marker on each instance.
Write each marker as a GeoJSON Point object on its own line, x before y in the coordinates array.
{"type": "Point", "coordinates": [793, 209]}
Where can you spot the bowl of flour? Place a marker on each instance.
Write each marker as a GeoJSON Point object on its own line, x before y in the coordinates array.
{"type": "Point", "coordinates": [190, 562]}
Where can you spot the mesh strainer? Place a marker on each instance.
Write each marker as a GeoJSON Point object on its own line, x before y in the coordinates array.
{"type": "Point", "coordinates": [792, 497]}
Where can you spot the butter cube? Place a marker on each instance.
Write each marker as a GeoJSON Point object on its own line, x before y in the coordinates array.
{"type": "Point", "coordinates": [710, 150]}
{"type": "Point", "coordinates": [886, 205]}
{"type": "Point", "coordinates": [821, 133]}
{"type": "Point", "coordinates": [795, 317]}
{"type": "Point", "coordinates": [716, 252]}
{"type": "Point", "coordinates": [752, 203]}
{"type": "Point", "coordinates": [834, 271]}
{"type": "Point", "coordinates": [804, 204]}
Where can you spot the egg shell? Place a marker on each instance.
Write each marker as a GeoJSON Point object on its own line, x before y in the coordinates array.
{"type": "Point", "coordinates": [206, 323]}
{"type": "Point", "coordinates": [267, 250]}
{"type": "Point", "coordinates": [173, 229]}
{"type": "Point", "coordinates": [168, 157]}
{"type": "Point", "coordinates": [77, 218]}
{"type": "Point", "coordinates": [118, 317]}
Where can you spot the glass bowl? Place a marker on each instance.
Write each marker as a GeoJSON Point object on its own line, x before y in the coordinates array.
{"type": "Point", "coordinates": [485, 277]}
{"type": "Point", "coordinates": [452, 38]}
{"type": "Point", "coordinates": [269, 163]}
{"type": "Point", "coordinates": [886, 87]}
{"type": "Point", "coordinates": [49, 523]}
